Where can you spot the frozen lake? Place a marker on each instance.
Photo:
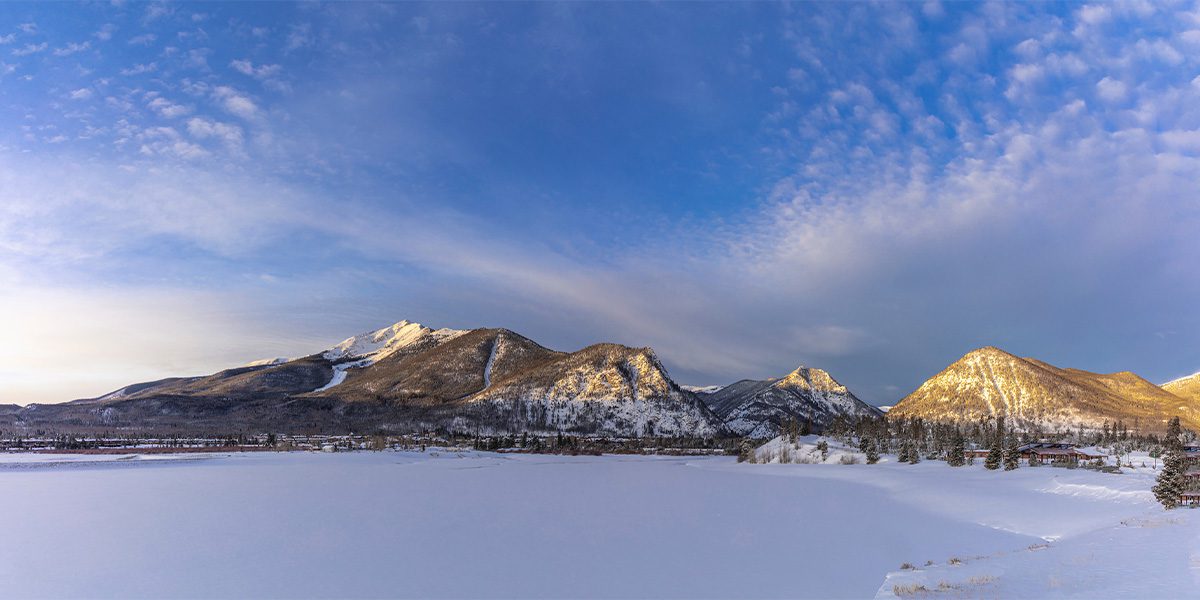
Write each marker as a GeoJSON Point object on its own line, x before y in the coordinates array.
{"type": "Point", "coordinates": [485, 525]}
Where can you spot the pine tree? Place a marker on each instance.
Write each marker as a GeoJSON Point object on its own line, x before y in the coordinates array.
{"type": "Point", "coordinates": [1012, 458]}
{"type": "Point", "coordinates": [1034, 461]}
{"type": "Point", "coordinates": [914, 455]}
{"type": "Point", "coordinates": [1170, 484]}
{"type": "Point", "coordinates": [957, 455]}
{"type": "Point", "coordinates": [994, 456]}
{"type": "Point", "coordinates": [746, 453]}
{"type": "Point", "coordinates": [872, 452]}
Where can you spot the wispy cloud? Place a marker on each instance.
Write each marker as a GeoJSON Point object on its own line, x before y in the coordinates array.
{"type": "Point", "coordinates": [229, 134]}
{"type": "Point", "coordinates": [155, 11]}
{"type": "Point", "coordinates": [105, 33]}
{"type": "Point", "coordinates": [166, 108]}
{"type": "Point", "coordinates": [140, 69]}
{"type": "Point", "coordinates": [72, 48]}
{"type": "Point", "coordinates": [236, 103]}
{"type": "Point", "coordinates": [298, 36]}
{"type": "Point", "coordinates": [28, 49]}
{"type": "Point", "coordinates": [246, 67]}
{"type": "Point", "coordinates": [144, 39]}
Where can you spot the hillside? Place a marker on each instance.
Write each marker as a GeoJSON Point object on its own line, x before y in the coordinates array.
{"type": "Point", "coordinates": [1187, 388]}
{"type": "Point", "coordinates": [757, 408]}
{"type": "Point", "coordinates": [1030, 393]}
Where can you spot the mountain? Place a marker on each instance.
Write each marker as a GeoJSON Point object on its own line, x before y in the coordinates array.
{"type": "Point", "coordinates": [1187, 388]}
{"type": "Point", "coordinates": [758, 408]}
{"type": "Point", "coordinates": [406, 377]}
{"type": "Point", "coordinates": [1030, 393]}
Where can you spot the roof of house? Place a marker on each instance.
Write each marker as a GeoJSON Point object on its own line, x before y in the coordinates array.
{"type": "Point", "coordinates": [1045, 445]}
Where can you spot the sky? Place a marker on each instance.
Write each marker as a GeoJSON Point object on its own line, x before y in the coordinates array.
{"type": "Point", "coordinates": [871, 189]}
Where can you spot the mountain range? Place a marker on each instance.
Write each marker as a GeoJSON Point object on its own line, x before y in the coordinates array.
{"type": "Point", "coordinates": [408, 377]}
{"type": "Point", "coordinates": [1032, 394]}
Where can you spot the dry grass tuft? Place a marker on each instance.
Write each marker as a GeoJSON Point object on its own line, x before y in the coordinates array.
{"type": "Point", "coordinates": [910, 589]}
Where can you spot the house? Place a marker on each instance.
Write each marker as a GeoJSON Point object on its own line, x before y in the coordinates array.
{"type": "Point", "coordinates": [1192, 454]}
{"type": "Point", "coordinates": [1059, 452]}
{"type": "Point", "coordinates": [1191, 478]}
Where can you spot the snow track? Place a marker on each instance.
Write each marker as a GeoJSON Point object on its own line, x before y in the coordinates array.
{"type": "Point", "coordinates": [487, 369]}
{"type": "Point", "coordinates": [339, 373]}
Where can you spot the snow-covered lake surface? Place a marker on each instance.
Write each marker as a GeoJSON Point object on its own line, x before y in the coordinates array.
{"type": "Point", "coordinates": [395, 524]}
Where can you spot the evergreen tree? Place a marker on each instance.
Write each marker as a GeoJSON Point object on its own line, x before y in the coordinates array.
{"type": "Point", "coordinates": [996, 453]}
{"type": "Point", "coordinates": [994, 456]}
{"type": "Point", "coordinates": [872, 453]}
{"type": "Point", "coordinates": [1034, 461]}
{"type": "Point", "coordinates": [1170, 484]}
{"type": "Point", "coordinates": [746, 452]}
{"type": "Point", "coordinates": [914, 455]}
{"type": "Point", "coordinates": [1012, 458]}
{"type": "Point", "coordinates": [957, 456]}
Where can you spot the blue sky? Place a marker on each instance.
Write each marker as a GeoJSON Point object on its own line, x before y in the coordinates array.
{"type": "Point", "coordinates": [874, 189]}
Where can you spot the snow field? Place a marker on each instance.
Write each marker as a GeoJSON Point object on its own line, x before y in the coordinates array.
{"type": "Point", "coordinates": [398, 524]}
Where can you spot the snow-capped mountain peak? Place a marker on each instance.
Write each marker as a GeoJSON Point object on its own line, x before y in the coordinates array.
{"type": "Point", "coordinates": [1187, 388]}
{"type": "Point", "coordinates": [1182, 380]}
{"type": "Point", "coordinates": [374, 345]}
{"type": "Point", "coordinates": [267, 362]}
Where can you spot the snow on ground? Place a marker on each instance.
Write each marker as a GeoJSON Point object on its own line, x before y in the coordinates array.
{"type": "Point", "coordinates": [267, 362]}
{"type": "Point", "coordinates": [340, 372]}
{"type": "Point", "coordinates": [26, 460]}
{"type": "Point", "coordinates": [805, 451]}
{"type": "Point", "coordinates": [702, 389]}
{"type": "Point", "coordinates": [398, 524]}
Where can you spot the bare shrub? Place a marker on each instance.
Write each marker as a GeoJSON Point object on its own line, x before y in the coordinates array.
{"type": "Point", "coordinates": [909, 589]}
{"type": "Point", "coordinates": [849, 459]}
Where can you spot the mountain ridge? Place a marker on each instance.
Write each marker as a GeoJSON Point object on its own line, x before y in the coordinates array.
{"type": "Point", "coordinates": [405, 377]}
{"type": "Point", "coordinates": [990, 382]}
{"type": "Point", "coordinates": [760, 408]}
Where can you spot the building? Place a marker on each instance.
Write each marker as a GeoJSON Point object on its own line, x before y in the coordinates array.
{"type": "Point", "coordinates": [1059, 452]}
{"type": "Point", "coordinates": [1056, 453]}
{"type": "Point", "coordinates": [1191, 455]}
